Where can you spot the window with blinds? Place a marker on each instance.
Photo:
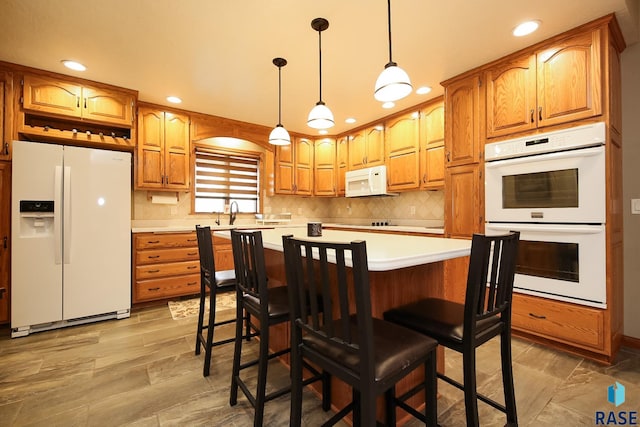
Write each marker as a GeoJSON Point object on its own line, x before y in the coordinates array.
{"type": "Point", "coordinates": [222, 178]}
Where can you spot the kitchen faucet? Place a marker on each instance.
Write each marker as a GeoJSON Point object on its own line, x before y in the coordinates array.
{"type": "Point", "coordinates": [232, 213]}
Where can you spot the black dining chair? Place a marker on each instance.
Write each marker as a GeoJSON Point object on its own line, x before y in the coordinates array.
{"type": "Point", "coordinates": [213, 282]}
{"type": "Point", "coordinates": [270, 306]}
{"type": "Point", "coordinates": [369, 354]}
{"type": "Point", "coordinates": [486, 313]}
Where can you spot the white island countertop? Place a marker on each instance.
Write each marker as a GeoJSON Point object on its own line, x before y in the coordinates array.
{"type": "Point", "coordinates": [384, 251]}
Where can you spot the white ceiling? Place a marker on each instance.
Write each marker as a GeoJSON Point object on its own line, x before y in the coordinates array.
{"type": "Point", "coordinates": [217, 54]}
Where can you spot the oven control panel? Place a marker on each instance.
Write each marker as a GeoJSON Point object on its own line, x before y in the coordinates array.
{"type": "Point", "coordinates": [565, 139]}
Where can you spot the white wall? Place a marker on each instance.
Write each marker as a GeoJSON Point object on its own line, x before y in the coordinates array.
{"type": "Point", "coordinates": [631, 186]}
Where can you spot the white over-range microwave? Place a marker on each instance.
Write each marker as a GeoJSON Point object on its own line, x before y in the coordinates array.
{"type": "Point", "coordinates": [367, 182]}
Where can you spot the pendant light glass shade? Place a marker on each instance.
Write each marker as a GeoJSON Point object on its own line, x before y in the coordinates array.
{"type": "Point", "coordinates": [320, 116]}
{"type": "Point", "coordinates": [393, 83]}
{"type": "Point", "coordinates": [279, 135]}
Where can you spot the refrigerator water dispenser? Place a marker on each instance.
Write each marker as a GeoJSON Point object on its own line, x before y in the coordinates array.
{"type": "Point", "coordinates": [36, 218]}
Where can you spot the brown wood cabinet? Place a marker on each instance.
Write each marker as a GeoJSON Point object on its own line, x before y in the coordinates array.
{"type": "Point", "coordinates": [366, 148]}
{"type": "Point", "coordinates": [432, 146]}
{"type": "Point", "coordinates": [402, 145]}
{"type": "Point", "coordinates": [5, 241]}
{"type": "Point", "coordinates": [51, 96]}
{"type": "Point", "coordinates": [556, 84]}
{"type": "Point", "coordinates": [165, 265]}
{"type": "Point", "coordinates": [6, 114]}
{"type": "Point", "coordinates": [162, 156]}
{"type": "Point", "coordinates": [463, 207]}
{"type": "Point", "coordinates": [294, 167]}
{"type": "Point", "coordinates": [464, 185]}
{"type": "Point", "coordinates": [325, 180]}
{"type": "Point", "coordinates": [342, 163]}
{"type": "Point", "coordinates": [463, 121]}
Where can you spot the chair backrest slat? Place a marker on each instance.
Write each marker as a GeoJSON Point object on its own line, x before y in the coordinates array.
{"type": "Point", "coordinates": [322, 268]}
{"type": "Point", "coordinates": [248, 259]}
{"type": "Point", "coordinates": [205, 253]}
{"type": "Point", "coordinates": [490, 277]}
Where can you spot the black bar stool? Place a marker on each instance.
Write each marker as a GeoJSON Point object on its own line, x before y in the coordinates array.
{"type": "Point", "coordinates": [485, 314]}
{"type": "Point", "coordinates": [369, 354]}
{"type": "Point", "coordinates": [215, 282]}
{"type": "Point", "coordinates": [270, 305]}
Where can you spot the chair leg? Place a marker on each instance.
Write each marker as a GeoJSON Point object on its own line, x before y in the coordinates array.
{"type": "Point", "coordinates": [326, 390]}
{"type": "Point", "coordinates": [368, 408]}
{"type": "Point", "coordinates": [209, 343]}
{"type": "Point", "coordinates": [355, 397]}
{"type": "Point", "coordinates": [237, 352]}
{"type": "Point", "coordinates": [263, 363]}
{"type": "Point", "coordinates": [431, 390]}
{"type": "Point", "coordinates": [296, 387]}
{"type": "Point", "coordinates": [200, 319]}
{"type": "Point", "coordinates": [507, 378]}
{"type": "Point", "coordinates": [390, 406]}
{"type": "Point", "coordinates": [470, 390]}
{"type": "Point", "coordinates": [247, 323]}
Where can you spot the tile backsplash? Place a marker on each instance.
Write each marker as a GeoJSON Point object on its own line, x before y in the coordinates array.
{"type": "Point", "coordinates": [408, 207]}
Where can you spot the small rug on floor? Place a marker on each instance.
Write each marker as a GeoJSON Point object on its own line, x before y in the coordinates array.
{"type": "Point", "coordinates": [189, 307]}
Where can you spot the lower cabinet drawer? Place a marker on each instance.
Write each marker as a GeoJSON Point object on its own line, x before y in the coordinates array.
{"type": "Point", "coordinates": [146, 290]}
{"type": "Point", "coordinates": [559, 321]}
{"type": "Point", "coordinates": [152, 271]}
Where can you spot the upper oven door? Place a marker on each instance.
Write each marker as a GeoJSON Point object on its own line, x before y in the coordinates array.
{"type": "Point", "coordinates": [560, 187]}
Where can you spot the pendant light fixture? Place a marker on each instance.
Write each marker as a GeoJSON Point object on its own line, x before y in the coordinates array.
{"type": "Point", "coordinates": [320, 117]}
{"type": "Point", "coordinates": [279, 135]}
{"type": "Point", "coordinates": [393, 83]}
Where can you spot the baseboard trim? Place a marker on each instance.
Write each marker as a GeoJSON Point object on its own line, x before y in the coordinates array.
{"type": "Point", "coordinates": [632, 342]}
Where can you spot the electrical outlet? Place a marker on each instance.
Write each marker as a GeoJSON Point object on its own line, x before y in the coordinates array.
{"type": "Point", "coordinates": [412, 210]}
{"type": "Point", "coordinates": [635, 206]}
{"type": "Point", "coordinates": [299, 211]}
{"type": "Point", "coordinates": [174, 210]}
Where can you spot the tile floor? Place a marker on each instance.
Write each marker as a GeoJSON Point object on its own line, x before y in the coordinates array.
{"type": "Point", "coordinates": [142, 371]}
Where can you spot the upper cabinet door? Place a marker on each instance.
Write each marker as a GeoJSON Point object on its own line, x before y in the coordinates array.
{"type": "Point", "coordinates": [402, 142]}
{"type": "Point", "coordinates": [511, 97]}
{"type": "Point", "coordinates": [176, 151]}
{"type": "Point", "coordinates": [6, 114]}
{"type": "Point", "coordinates": [463, 121]}
{"type": "Point", "coordinates": [375, 146]}
{"type": "Point", "coordinates": [107, 106]}
{"type": "Point", "coordinates": [285, 181]}
{"type": "Point", "coordinates": [150, 149]}
{"type": "Point", "coordinates": [342, 164]}
{"type": "Point", "coordinates": [304, 167]}
{"type": "Point", "coordinates": [570, 79]}
{"type": "Point", "coordinates": [52, 96]}
{"type": "Point", "coordinates": [357, 150]}
{"type": "Point", "coordinates": [432, 146]}
{"type": "Point", "coordinates": [324, 179]}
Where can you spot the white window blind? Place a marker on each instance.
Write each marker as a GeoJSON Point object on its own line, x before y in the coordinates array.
{"type": "Point", "coordinates": [222, 178]}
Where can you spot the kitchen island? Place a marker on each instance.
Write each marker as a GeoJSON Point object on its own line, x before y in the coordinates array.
{"type": "Point", "coordinates": [402, 269]}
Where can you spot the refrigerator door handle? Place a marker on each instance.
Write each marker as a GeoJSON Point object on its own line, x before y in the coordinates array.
{"type": "Point", "coordinates": [66, 224]}
{"type": "Point", "coordinates": [57, 226]}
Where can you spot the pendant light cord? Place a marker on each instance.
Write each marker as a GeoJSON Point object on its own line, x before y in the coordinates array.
{"type": "Point", "coordinates": [389, 19]}
{"type": "Point", "coordinates": [320, 61]}
{"type": "Point", "coordinates": [279, 96]}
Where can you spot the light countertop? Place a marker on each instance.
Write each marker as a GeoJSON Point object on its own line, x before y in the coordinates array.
{"type": "Point", "coordinates": [384, 252]}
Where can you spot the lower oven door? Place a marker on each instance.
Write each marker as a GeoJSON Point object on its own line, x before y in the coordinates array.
{"type": "Point", "coordinates": [563, 262]}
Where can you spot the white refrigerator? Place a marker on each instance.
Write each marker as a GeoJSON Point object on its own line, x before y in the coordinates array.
{"type": "Point", "coordinates": [70, 236]}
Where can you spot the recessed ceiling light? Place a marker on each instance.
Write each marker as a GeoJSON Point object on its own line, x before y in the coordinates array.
{"type": "Point", "coordinates": [73, 65]}
{"type": "Point", "coordinates": [423, 90]}
{"type": "Point", "coordinates": [350, 120]}
{"type": "Point", "coordinates": [323, 131]}
{"type": "Point", "coordinates": [388, 104]}
{"type": "Point", "coordinates": [526, 28]}
{"type": "Point", "coordinates": [174, 99]}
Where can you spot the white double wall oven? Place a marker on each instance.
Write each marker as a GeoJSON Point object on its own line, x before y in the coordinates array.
{"type": "Point", "coordinates": [551, 188]}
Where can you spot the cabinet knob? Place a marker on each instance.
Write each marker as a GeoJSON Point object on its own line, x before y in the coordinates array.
{"type": "Point", "coordinates": [77, 102]}
{"type": "Point", "coordinates": [532, 117]}
{"type": "Point", "coordinates": [448, 156]}
{"type": "Point", "coordinates": [540, 114]}
{"type": "Point", "coordinates": [537, 316]}
{"type": "Point", "coordinates": [6, 148]}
